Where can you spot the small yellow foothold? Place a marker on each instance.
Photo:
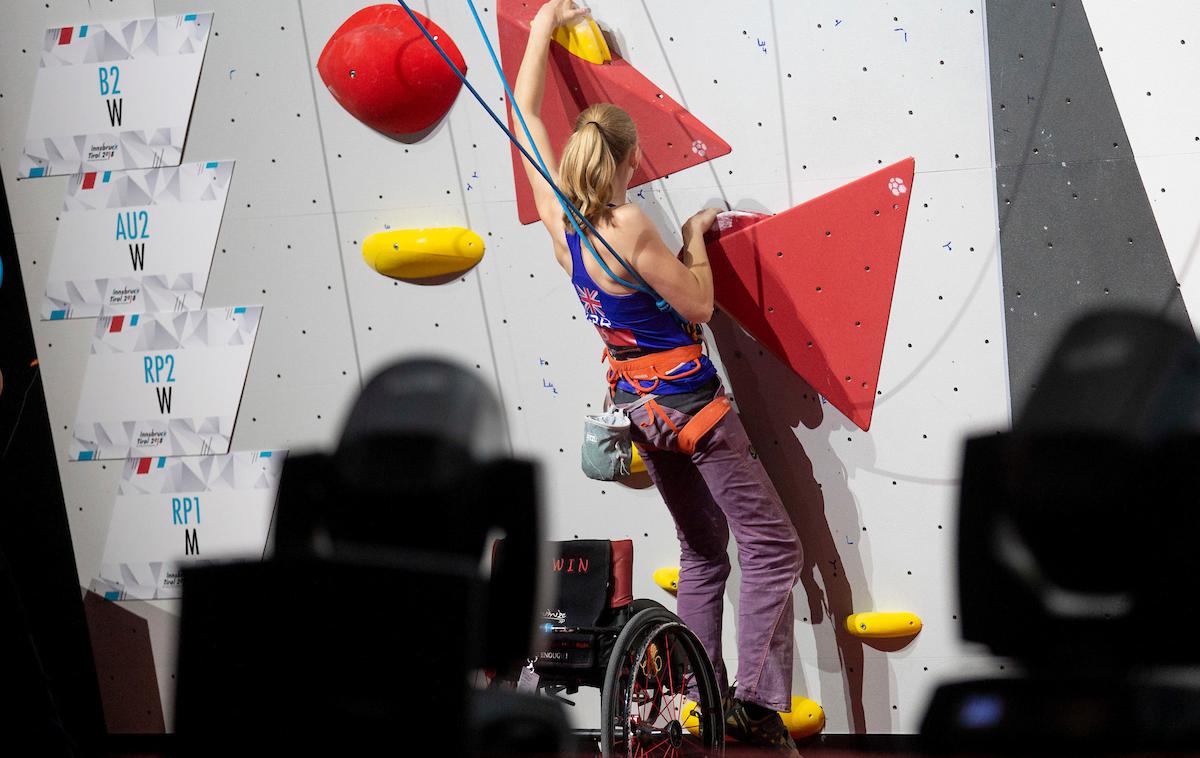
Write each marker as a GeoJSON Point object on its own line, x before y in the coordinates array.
{"type": "Point", "coordinates": [423, 253]}
{"type": "Point", "coordinates": [584, 40]}
{"type": "Point", "coordinates": [637, 465]}
{"type": "Point", "coordinates": [806, 718]}
{"type": "Point", "coordinates": [880, 625]}
{"type": "Point", "coordinates": [667, 577]}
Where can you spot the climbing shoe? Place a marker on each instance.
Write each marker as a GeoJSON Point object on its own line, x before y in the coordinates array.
{"type": "Point", "coordinates": [752, 724]}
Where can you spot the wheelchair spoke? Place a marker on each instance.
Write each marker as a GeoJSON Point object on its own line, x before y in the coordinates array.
{"type": "Point", "coordinates": [672, 713]}
{"type": "Point", "coordinates": [664, 742]}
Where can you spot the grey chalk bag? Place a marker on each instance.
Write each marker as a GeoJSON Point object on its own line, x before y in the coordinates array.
{"type": "Point", "coordinates": [607, 450]}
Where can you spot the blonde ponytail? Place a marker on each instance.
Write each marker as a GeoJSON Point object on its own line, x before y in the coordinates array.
{"type": "Point", "coordinates": [604, 135]}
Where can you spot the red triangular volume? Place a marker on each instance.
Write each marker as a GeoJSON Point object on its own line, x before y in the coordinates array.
{"type": "Point", "coordinates": [814, 284]}
{"type": "Point", "coordinates": [671, 138]}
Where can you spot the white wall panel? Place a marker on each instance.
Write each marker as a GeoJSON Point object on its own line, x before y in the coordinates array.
{"type": "Point", "coordinates": [1174, 196]}
{"type": "Point", "coordinates": [255, 104]}
{"type": "Point", "coordinates": [1151, 54]}
{"type": "Point", "coordinates": [309, 188]}
{"type": "Point", "coordinates": [939, 74]}
{"type": "Point", "coordinates": [394, 318]}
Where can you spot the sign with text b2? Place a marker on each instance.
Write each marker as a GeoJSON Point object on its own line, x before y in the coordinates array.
{"type": "Point", "coordinates": [172, 512]}
{"type": "Point", "coordinates": [114, 95]}
{"type": "Point", "coordinates": [164, 384]}
{"type": "Point", "coordinates": [136, 241]}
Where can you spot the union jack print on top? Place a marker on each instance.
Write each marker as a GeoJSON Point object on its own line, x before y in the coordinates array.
{"type": "Point", "coordinates": [591, 300]}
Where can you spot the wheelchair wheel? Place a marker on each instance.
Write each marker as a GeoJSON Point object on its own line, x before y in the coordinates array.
{"type": "Point", "coordinates": [658, 665]}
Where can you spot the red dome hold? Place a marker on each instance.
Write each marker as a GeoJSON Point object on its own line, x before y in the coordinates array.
{"type": "Point", "coordinates": [382, 70]}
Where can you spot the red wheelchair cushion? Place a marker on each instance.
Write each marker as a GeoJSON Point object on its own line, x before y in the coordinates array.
{"type": "Point", "coordinates": [621, 594]}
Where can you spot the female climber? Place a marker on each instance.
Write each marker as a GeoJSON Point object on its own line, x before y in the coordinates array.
{"type": "Point", "coordinates": [696, 451]}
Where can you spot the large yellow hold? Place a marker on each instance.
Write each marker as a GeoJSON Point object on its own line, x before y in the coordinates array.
{"type": "Point", "coordinates": [584, 40]}
{"type": "Point", "coordinates": [880, 625]}
{"type": "Point", "coordinates": [806, 718]}
{"type": "Point", "coordinates": [423, 253]}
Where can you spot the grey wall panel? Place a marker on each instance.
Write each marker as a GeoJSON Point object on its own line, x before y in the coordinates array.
{"type": "Point", "coordinates": [1075, 238]}
{"type": "Point", "coordinates": [1050, 97]}
{"type": "Point", "coordinates": [1077, 230]}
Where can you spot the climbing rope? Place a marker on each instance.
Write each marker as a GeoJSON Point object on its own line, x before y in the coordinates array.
{"type": "Point", "coordinates": [569, 210]}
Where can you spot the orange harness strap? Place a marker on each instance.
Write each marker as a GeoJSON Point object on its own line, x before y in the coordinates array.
{"type": "Point", "coordinates": [653, 368]}
{"type": "Point", "coordinates": [702, 423]}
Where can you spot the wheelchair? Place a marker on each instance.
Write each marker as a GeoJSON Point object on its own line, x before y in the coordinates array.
{"type": "Point", "coordinates": [658, 689]}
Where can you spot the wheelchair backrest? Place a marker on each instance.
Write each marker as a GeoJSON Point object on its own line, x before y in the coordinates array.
{"type": "Point", "coordinates": [591, 577]}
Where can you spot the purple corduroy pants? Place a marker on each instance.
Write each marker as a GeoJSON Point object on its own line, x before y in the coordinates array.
{"type": "Point", "coordinates": [723, 488]}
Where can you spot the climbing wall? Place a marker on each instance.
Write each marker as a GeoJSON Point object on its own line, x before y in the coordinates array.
{"type": "Point", "coordinates": [810, 96]}
{"type": "Point", "coordinates": [1076, 224]}
{"type": "Point", "coordinates": [1152, 61]}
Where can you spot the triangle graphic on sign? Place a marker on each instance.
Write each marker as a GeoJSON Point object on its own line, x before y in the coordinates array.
{"type": "Point", "coordinates": [814, 284]}
{"type": "Point", "coordinates": [671, 138]}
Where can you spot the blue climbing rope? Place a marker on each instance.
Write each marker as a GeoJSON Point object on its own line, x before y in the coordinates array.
{"type": "Point", "coordinates": [569, 210]}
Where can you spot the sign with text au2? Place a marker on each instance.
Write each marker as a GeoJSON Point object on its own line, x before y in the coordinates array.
{"type": "Point", "coordinates": [136, 241]}
{"type": "Point", "coordinates": [171, 512]}
{"type": "Point", "coordinates": [114, 95]}
{"type": "Point", "coordinates": [164, 384]}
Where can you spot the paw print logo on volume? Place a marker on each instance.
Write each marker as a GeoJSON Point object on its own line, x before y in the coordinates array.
{"type": "Point", "coordinates": [897, 187]}
{"type": "Point", "coordinates": [699, 148]}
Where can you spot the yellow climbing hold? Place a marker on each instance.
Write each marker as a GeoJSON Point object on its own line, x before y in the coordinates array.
{"type": "Point", "coordinates": [667, 577]}
{"type": "Point", "coordinates": [879, 625]}
{"type": "Point", "coordinates": [584, 40]}
{"type": "Point", "coordinates": [423, 253]}
{"type": "Point", "coordinates": [806, 718]}
{"type": "Point", "coordinates": [688, 717]}
{"type": "Point", "coordinates": [637, 465]}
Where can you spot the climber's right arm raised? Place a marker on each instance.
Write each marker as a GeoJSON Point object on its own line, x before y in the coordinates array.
{"type": "Point", "coordinates": [528, 93]}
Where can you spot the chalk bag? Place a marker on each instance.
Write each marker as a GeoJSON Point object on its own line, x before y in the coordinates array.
{"type": "Point", "coordinates": [607, 450]}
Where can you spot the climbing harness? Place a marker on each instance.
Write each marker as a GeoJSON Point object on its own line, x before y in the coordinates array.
{"type": "Point", "coordinates": [654, 368]}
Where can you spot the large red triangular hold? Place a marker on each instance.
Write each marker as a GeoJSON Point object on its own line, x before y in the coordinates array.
{"type": "Point", "coordinates": [671, 138]}
{"type": "Point", "coordinates": [814, 284]}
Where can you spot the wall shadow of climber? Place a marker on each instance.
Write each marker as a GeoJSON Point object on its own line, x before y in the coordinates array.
{"type": "Point", "coordinates": [773, 401]}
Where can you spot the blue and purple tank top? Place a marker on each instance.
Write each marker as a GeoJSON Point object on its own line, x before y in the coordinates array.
{"type": "Point", "coordinates": [632, 325]}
